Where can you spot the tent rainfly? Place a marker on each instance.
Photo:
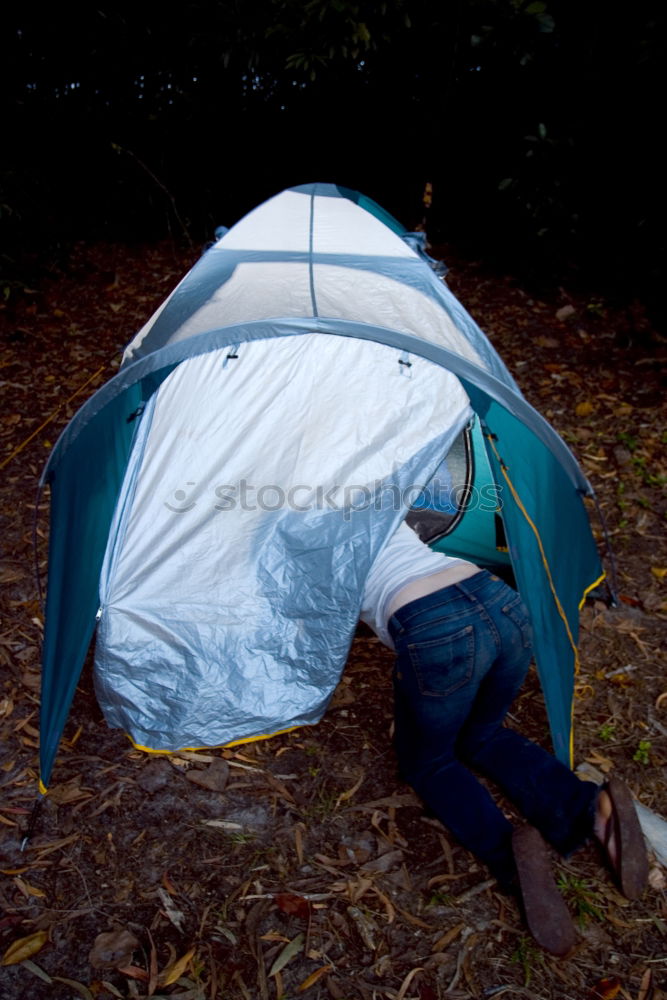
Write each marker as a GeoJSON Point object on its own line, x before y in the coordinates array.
{"type": "Point", "coordinates": [217, 505]}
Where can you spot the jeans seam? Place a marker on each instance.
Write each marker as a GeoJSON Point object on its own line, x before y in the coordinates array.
{"type": "Point", "coordinates": [489, 622]}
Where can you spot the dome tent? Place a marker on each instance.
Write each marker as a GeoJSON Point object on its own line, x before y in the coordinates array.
{"type": "Point", "coordinates": [216, 506]}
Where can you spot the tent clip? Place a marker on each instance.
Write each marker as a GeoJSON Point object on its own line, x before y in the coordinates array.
{"type": "Point", "coordinates": [405, 365]}
{"type": "Point", "coordinates": [232, 356]}
{"type": "Point", "coordinates": [137, 413]}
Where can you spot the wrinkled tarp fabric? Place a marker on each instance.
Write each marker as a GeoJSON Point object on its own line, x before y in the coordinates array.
{"type": "Point", "coordinates": [260, 519]}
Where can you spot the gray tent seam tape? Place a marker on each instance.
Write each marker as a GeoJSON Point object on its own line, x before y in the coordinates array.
{"type": "Point", "coordinates": [311, 276]}
{"type": "Point", "coordinates": [218, 264]}
{"type": "Point", "coordinates": [173, 354]}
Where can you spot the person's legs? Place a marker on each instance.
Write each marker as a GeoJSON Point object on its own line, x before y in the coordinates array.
{"type": "Point", "coordinates": [462, 655]}
{"type": "Point", "coordinates": [446, 644]}
{"type": "Point", "coordinates": [545, 791]}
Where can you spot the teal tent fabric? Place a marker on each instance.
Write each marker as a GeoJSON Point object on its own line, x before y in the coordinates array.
{"type": "Point", "coordinates": [553, 572]}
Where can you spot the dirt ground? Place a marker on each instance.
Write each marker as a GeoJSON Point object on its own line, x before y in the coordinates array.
{"type": "Point", "coordinates": [301, 865]}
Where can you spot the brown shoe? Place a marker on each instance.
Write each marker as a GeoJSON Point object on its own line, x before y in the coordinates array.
{"type": "Point", "coordinates": [622, 841]}
{"type": "Point", "coordinates": [544, 908]}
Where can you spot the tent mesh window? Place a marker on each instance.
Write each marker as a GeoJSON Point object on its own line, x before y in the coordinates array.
{"type": "Point", "coordinates": [436, 514]}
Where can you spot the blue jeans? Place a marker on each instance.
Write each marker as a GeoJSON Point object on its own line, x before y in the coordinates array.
{"type": "Point", "coordinates": [461, 656]}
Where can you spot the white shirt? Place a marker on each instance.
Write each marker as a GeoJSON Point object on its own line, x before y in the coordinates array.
{"type": "Point", "coordinates": [405, 570]}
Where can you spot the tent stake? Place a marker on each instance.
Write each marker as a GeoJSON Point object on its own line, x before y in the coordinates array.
{"type": "Point", "coordinates": [32, 823]}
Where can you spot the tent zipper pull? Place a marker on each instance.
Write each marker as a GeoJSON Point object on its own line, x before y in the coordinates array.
{"type": "Point", "coordinates": [99, 614]}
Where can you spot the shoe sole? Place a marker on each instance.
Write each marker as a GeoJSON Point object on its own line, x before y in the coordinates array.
{"type": "Point", "coordinates": [631, 866]}
{"type": "Point", "coordinates": [546, 914]}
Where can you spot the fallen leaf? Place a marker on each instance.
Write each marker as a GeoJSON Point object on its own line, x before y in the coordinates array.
{"type": "Point", "coordinates": [79, 987]}
{"type": "Point", "coordinates": [36, 971]}
{"type": "Point", "coordinates": [287, 954]}
{"type": "Point", "coordinates": [565, 312]}
{"type": "Point", "coordinates": [29, 890]}
{"type": "Point", "coordinates": [298, 843]}
{"type": "Point", "coordinates": [406, 982]}
{"type": "Point", "coordinates": [69, 793]}
{"type": "Point", "coordinates": [24, 948]}
{"type": "Point", "coordinates": [605, 989]}
{"type": "Point", "coordinates": [645, 991]}
{"type": "Point", "coordinates": [168, 884]}
{"type": "Point", "coordinates": [313, 978]}
{"type": "Point", "coordinates": [44, 849]}
{"type": "Point", "coordinates": [622, 680]}
{"type": "Point", "coordinates": [152, 967]}
{"type": "Point", "coordinates": [365, 925]}
{"type": "Point", "coordinates": [659, 572]}
{"type": "Point", "coordinates": [112, 949]}
{"type": "Point", "coordinates": [584, 409]}
{"type": "Point", "coordinates": [386, 902]}
{"type": "Point", "coordinates": [290, 903]}
{"type": "Point", "coordinates": [214, 777]}
{"type": "Point", "coordinates": [343, 695]}
{"type": "Point", "coordinates": [356, 849]}
{"type": "Point", "coordinates": [344, 796]}
{"type": "Point", "coordinates": [397, 801]}
{"type": "Point", "coordinates": [176, 969]}
{"type": "Point", "coordinates": [6, 707]}
{"type": "Point", "coordinates": [623, 410]}
{"type": "Point", "coordinates": [275, 782]}
{"type": "Point", "coordinates": [447, 938]}
{"type": "Point", "coordinates": [134, 972]}
{"type": "Point", "coordinates": [222, 824]}
{"type": "Point", "coordinates": [656, 879]}
{"type": "Point", "coordinates": [385, 863]}
{"type": "Point", "coordinates": [599, 760]}
{"type": "Point", "coordinates": [177, 917]}
{"type": "Point", "coordinates": [110, 988]}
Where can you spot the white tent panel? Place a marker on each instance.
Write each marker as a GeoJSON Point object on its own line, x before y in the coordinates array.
{"type": "Point", "coordinates": [235, 565]}
{"type": "Point", "coordinates": [281, 223]}
{"type": "Point", "coordinates": [367, 297]}
{"type": "Point", "coordinates": [340, 226]}
{"type": "Point", "coordinates": [255, 291]}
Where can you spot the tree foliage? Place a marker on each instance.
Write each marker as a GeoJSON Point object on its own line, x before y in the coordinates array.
{"type": "Point", "coordinates": [534, 119]}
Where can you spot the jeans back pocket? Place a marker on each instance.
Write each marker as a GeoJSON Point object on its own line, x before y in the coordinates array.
{"type": "Point", "coordinates": [443, 665]}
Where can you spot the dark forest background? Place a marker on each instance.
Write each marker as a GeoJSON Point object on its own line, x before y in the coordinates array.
{"type": "Point", "coordinates": [539, 125]}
